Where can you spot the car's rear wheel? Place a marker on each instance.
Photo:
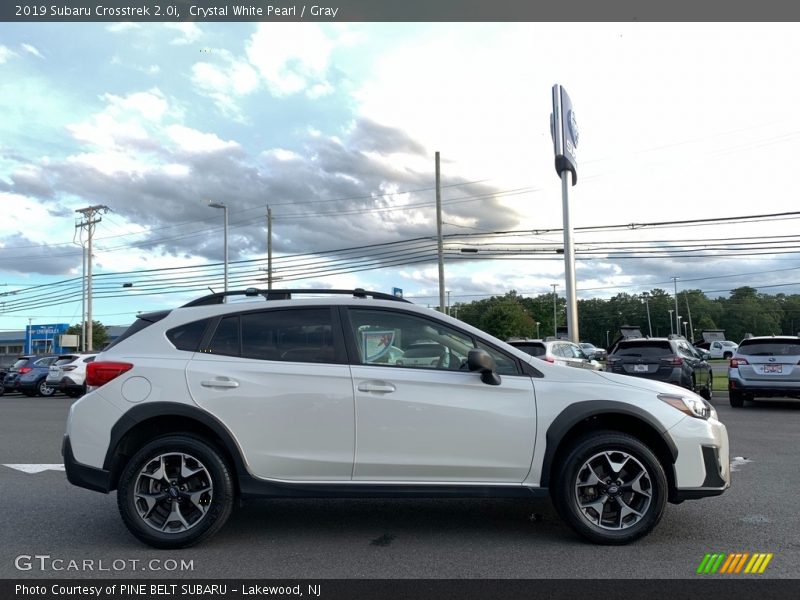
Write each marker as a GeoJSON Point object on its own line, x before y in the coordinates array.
{"type": "Point", "coordinates": [736, 398]}
{"type": "Point", "coordinates": [610, 488]}
{"type": "Point", "coordinates": [727, 355]}
{"type": "Point", "coordinates": [176, 491]}
{"type": "Point", "coordinates": [45, 390]}
{"type": "Point", "coordinates": [706, 392]}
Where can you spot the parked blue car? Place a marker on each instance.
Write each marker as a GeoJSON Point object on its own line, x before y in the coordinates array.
{"type": "Point", "coordinates": [28, 374]}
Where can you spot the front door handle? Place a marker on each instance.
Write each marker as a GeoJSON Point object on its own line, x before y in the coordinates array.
{"type": "Point", "coordinates": [220, 383]}
{"type": "Point", "coordinates": [376, 386]}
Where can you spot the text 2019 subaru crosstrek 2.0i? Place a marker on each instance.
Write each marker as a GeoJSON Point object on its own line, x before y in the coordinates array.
{"type": "Point", "coordinates": [281, 395]}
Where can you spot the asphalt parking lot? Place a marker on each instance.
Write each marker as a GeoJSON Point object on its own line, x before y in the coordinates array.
{"type": "Point", "coordinates": [43, 515]}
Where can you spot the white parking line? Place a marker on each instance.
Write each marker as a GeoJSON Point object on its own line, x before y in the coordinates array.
{"type": "Point", "coordinates": [31, 468]}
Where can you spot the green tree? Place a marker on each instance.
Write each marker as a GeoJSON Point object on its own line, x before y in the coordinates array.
{"type": "Point", "coordinates": [99, 333]}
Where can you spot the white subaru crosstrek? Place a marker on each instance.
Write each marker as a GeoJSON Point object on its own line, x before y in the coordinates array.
{"type": "Point", "coordinates": [194, 408]}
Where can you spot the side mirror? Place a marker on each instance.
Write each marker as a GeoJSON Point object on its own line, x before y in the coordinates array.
{"type": "Point", "coordinates": [480, 360]}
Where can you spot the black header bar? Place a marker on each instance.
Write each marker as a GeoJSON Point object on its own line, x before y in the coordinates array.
{"type": "Point", "coordinates": [206, 11]}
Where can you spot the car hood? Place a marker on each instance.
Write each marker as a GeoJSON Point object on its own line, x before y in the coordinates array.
{"type": "Point", "coordinates": [574, 375]}
{"type": "Point", "coordinates": [641, 383]}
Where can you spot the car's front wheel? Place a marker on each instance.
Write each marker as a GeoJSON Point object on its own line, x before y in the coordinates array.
{"type": "Point", "coordinates": [176, 491]}
{"type": "Point", "coordinates": [610, 488]}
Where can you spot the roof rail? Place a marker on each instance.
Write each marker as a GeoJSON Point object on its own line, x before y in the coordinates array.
{"type": "Point", "coordinates": [276, 294]}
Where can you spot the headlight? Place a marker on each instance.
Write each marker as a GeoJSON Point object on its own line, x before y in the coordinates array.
{"type": "Point", "coordinates": [694, 406]}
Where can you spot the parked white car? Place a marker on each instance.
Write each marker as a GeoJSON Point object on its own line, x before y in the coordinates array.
{"type": "Point", "coordinates": [68, 373]}
{"type": "Point", "coordinates": [558, 352]}
{"type": "Point", "coordinates": [193, 409]}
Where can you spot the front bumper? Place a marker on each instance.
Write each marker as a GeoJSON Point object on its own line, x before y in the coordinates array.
{"type": "Point", "coordinates": [703, 465]}
{"type": "Point", "coordinates": [91, 478]}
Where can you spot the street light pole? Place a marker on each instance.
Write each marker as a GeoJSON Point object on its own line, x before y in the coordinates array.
{"type": "Point", "coordinates": [225, 235]}
{"type": "Point", "coordinates": [537, 330]}
{"type": "Point", "coordinates": [555, 316]}
{"type": "Point", "coordinates": [671, 329]}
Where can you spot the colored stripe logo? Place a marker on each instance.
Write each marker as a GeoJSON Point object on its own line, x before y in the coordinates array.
{"type": "Point", "coordinates": [734, 564]}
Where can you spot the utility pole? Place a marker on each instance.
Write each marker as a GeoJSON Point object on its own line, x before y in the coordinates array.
{"type": "Point", "coordinates": [440, 244]}
{"type": "Point", "coordinates": [269, 248]}
{"type": "Point", "coordinates": [90, 219]}
{"type": "Point", "coordinates": [677, 318]}
{"type": "Point", "coordinates": [555, 317]}
{"type": "Point", "coordinates": [647, 306]}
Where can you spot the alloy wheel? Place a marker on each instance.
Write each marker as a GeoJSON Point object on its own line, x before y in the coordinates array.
{"type": "Point", "coordinates": [173, 492]}
{"type": "Point", "coordinates": [613, 490]}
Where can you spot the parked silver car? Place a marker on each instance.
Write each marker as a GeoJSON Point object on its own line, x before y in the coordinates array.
{"type": "Point", "coordinates": [765, 366]}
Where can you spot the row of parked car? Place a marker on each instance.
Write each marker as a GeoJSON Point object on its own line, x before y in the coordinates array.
{"type": "Point", "coordinates": [766, 366]}
{"type": "Point", "coordinates": [44, 375]}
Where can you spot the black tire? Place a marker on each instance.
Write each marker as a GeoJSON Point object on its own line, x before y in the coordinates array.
{"type": "Point", "coordinates": [706, 392]}
{"type": "Point", "coordinates": [727, 355]}
{"type": "Point", "coordinates": [2, 389]}
{"type": "Point", "coordinates": [42, 389]}
{"type": "Point", "coordinates": [736, 398]}
{"type": "Point", "coordinates": [600, 448]}
{"type": "Point", "coordinates": [205, 511]}
{"type": "Point", "coordinates": [74, 393]}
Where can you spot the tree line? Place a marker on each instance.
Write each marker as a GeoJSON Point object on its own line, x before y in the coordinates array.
{"type": "Point", "coordinates": [745, 311]}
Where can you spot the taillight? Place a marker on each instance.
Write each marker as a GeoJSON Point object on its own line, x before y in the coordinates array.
{"type": "Point", "coordinates": [674, 361]}
{"type": "Point", "coordinates": [735, 362]}
{"type": "Point", "coordinates": [23, 370]}
{"type": "Point", "coordinates": [100, 373]}
{"type": "Point", "coordinates": [550, 360]}
{"type": "Point", "coordinates": [69, 368]}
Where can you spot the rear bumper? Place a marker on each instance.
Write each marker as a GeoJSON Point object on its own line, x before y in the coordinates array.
{"type": "Point", "coordinates": [762, 388]}
{"type": "Point", "coordinates": [91, 478]}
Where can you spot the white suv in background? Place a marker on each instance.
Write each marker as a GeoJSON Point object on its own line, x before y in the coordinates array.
{"type": "Point", "coordinates": [68, 373]}
{"type": "Point", "coordinates": [195, 408]}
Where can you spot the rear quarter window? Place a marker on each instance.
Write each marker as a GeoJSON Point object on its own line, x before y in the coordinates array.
{"type": "Point", "coordinates": [188, 336]}
{"type": "Point", "coordinates": [532, 349]}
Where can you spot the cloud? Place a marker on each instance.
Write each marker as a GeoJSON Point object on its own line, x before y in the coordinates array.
{"type": "Point", "coordinates": [224, 82]}
{"type": "Point", "coordinates": [292, 57]}
{"type": "Point", "coordinates": [123, 26]}
{"type": "Point", "coordinates": [5, 54]}
{"type": "Point", "coordinates": [32, 50]}
{"type": "Point", "coordinates": [189, 33]}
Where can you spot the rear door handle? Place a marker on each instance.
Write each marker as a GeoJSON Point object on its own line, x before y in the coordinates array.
{"type": "Point", "coordinates": [376, 386]}
{"type": "Point", "coordinates": [220, 383]}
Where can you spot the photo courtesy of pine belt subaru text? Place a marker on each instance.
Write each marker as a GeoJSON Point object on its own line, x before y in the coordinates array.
{"type": "Point", "coordinates": [347, 393]}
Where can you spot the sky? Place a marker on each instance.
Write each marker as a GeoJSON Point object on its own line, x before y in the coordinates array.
{"type": "Point", "coordinates": [335, 126]}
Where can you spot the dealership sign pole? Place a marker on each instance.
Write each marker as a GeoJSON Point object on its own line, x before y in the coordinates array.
{"type": "Point", "coordinates": [564, 129]}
